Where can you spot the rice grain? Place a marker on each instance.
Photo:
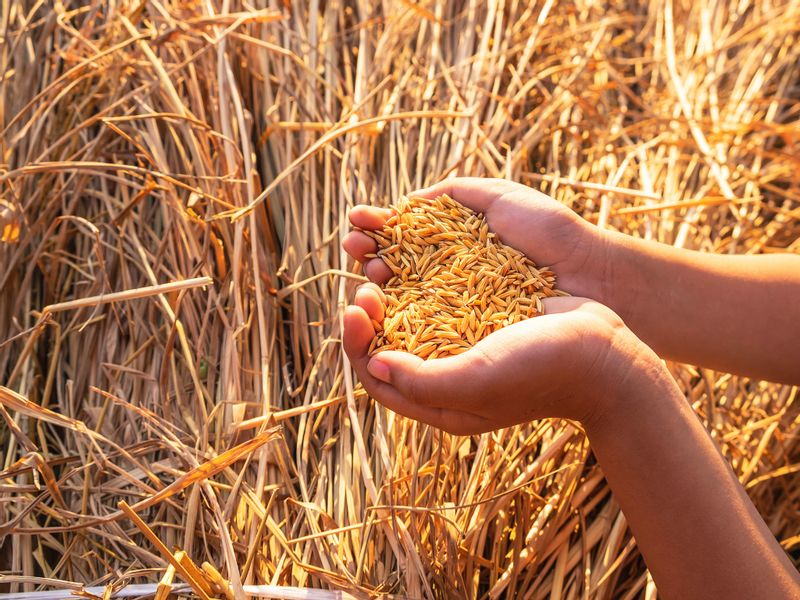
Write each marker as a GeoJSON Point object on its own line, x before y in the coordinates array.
{"type": "Point", "coordinates": [453, 281]}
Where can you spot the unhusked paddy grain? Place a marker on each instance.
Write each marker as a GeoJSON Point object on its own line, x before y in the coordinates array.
{"type": "Point", "coordinates": [453, 281]}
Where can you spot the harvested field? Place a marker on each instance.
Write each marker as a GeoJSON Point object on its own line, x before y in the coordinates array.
{"type": "Point", "coordinates": [174, 185]}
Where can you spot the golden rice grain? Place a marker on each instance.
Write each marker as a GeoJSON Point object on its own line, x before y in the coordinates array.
{"type": "Point", "coordinates": [453, 282]}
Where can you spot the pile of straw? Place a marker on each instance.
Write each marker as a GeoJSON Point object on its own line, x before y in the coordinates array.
{"type": "Point", "coordinates": [198, 159]}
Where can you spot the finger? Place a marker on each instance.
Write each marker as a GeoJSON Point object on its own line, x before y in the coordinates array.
{"type": "Point", "coordinates": [357, 244]}
{"type": "Point", "coordinates": [371, 301]}
{"type": "Point", "coordinates": [437, 383]}
{"type": "Point", "coordinates": [377, 271]}
{"type": "Point", "coordinates": [375, 288]}
{"type": "Point", "coordinates": [450, 420]}
{"type": "Point", "coordinates": [476, 193]}
{"type": "Point", "coordinates": [369, 217]}
{"type": "Point", "coordinates": [358, 332]}
{"type": "Point", "coordinates": [424, 390]}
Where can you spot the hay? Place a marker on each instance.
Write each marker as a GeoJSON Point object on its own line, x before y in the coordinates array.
{"type": "Point", "coordinates": [453, 282]}
{"type": "Point", "coordinates": [131, 133]}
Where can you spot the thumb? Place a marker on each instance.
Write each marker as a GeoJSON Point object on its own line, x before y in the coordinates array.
{"type": "Point", "coordinates": [427, 382]}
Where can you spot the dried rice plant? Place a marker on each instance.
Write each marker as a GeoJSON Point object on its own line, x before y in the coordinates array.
{"type": "Point", "coordinates": [162, 143]}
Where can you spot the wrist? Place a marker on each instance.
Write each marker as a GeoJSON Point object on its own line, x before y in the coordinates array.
{"type": "Point", "coordinates": [613, 272]}
{"type": "Point", "coordinates": [592, 264]}
{"type": "Point", "coordinates": [629, 377]}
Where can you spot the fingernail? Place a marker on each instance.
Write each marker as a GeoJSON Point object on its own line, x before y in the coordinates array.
{"type": "Point", "coordinates": [379, 370]}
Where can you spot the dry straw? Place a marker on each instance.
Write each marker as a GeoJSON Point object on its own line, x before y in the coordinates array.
{"type": "Point", "coordinates": [130, 133]}
{"type": "Point", "coordinates": [453, 282]}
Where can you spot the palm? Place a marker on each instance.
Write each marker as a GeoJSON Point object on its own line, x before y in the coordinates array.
{"type": "Point", "coordinates": [548, 232]}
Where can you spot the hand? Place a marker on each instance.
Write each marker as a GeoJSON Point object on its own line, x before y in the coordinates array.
{"type": "Point", "coordinates": [546, 231]}
{"type": "Point", "coordinates": [565, 363]}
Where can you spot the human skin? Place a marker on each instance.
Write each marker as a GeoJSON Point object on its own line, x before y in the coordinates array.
{"type": "Point", "coordinates": [738, 314]}
{"type": "Point", "coordinates": [695, 526]}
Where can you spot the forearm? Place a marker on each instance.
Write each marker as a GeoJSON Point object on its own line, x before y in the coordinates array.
{"type": "Point", "coordinates": [739, 314]}
{"type": "Point", "coordinates": [694, 524]}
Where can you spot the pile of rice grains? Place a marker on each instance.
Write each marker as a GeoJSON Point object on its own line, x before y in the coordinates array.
{"type": "Point", "coordinates": [453, 282]}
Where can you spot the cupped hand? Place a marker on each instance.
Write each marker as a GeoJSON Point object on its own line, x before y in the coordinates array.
{"type": "Point", "coordinates": [562, 364]}
{"type": "Point", "coordinates": [549, 233]}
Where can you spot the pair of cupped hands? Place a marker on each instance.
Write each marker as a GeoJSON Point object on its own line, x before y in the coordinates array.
{"type": "Point", "coordinates": [568, 363]}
